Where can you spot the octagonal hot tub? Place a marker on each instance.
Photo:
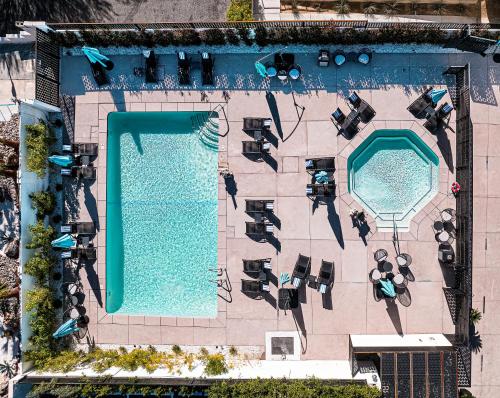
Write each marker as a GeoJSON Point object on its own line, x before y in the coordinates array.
{"type": "Point", "coordinates": [393, 174]}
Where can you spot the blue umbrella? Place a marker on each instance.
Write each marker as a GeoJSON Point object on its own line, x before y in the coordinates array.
{"type": "Point", "coordinates": [66, 328]}
{"type": "Point", "coordinates": [61, 160]}
{"type": "Point", "coordinates": [261, 69]}
{"type": "Point", "coordinates": [436, 95]}
{"type": "Point", "coordinates": [65, 242]}
{"type": "Point", "coordinates": [387, 288]}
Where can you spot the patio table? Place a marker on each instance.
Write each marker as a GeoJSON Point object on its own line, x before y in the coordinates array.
{"type": "Point", "coordinates": [74, 313]}
{"type": "Point", "coordinates": [399, 280]}
{"type": "Point", "coordinates": [448, 215]}
{"type": "Point", "coordinates": [365, 112]}
{"type": "Point", "coordinates": [444, 236]}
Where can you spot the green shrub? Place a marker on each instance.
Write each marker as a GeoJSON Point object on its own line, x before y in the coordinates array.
{"type": "Point", "coordinates": [41, 237]}
{"type": "Point", "coordinates": [187, 37]}
{"type": "Point", "coordinates": [38, 140]}
{"type": "Point", "coordinates": [271, 388]}
{"type": "Point", "coordinates": [213, 37]}
{"type": "Point", "coordinates": [44, 202]}
{"type": "Point", "coordinates": [215, 364]}
{"type": "Point", "coordinates": [176, 349]}
{"type": "Point", "coordinates": [240, 10]}
{"type": "Point", "coordinates": [475, 316]}
{"type": "Point", "coordinates": [232, 37]}
{"type": "Point", "coordinates": [40, 267]}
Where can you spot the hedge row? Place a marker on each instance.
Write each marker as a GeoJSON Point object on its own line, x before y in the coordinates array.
{"type": "Point", "coordinates": [261, 36]}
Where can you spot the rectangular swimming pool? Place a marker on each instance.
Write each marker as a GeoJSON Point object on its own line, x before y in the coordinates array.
{"type": "Point", "coordinates": [161, 209]}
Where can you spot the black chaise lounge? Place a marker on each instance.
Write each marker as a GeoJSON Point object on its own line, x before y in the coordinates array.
{"type": "Point", "coordinates": [325, 276]}
{"type": "Point", "coordinates": [83, 172]}
{"type": "Point", "coordinates": [320, 190]}
{"type": "Point", "coordinates": [80, 228]}
{"type": "Point", "coordinates": [82, 149]}
{"type": "Point", "coordinates": [418, 106]}
{"type": "Point", "coordinates": [207, 69]}
{"type": "Point", "coordinates": [151, 65]}
{"type": "Point", "coordinates": [253, 287]}
{"type": "Point", "coordinates": [256, 267]}
{"type": "Point", "coordinates": [258, 206]}
{"type": "Point", "coordinates": [99, 73]}
{"type": "Point", "coordinates": [301, 270]}
{"type": "Point", "coordinates": [320, 164]}
{"type": "Point", "coordinates": [338, 118]}
{"type": "Point", "coordinates": [85, 253]}
{"type": "Point", "coordinates": [255, 149]}
{"type": "Point", "coordinates": [365, 111]}
{"type": "Point", "coordinates": [183, 68]}
{"type": "Point", "coordinates": [256, 123]}
{"type": "Point", "coordinates": [259, 231]}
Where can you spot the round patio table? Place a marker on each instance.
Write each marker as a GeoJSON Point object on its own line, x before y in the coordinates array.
{"type": "Point", "coordinates": [74, 313]}
{"type": "Point", "coordinates": [438, 226]}
{"type": "Point", "coordinates": [443, 236]}
{"type": "Point", "coordinates": [448, 215]}
{"type": "Point", "coordinates": [375, 276]}
{"type": "Point", "coordinates": [403, 260]}
{"type": "Point", "coordinates": [72, 288]}
{"type": "Point", "coordinates": [387, 266]}
{"type": "Point", "coordinates": [73, 299]}
{"type": "Point", "coordinates": [399, 280]}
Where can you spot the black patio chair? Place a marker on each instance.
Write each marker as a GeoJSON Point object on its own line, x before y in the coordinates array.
{"type": "Point", "coordinates": [256, 149]}
{"type": "Point", "coordinates": [320, 164]}
{"type": "Point", "coordinates": [284, 61]}
{"type": "Point", "coordinates": [258, 206]}
{"type": "Point", "coordinates": [83, 172]}
{"type": "Point", "coordinates": [324, 58]}
{"type": "Point", "coordinates": [338, 118]}
{"type": "Point", "coordinates": [259, 231]}
{"type": "Point", "coordinates": [350, 128]}
{"type": "Point", "coordinates": [82, 149]}
{"type": "Point", "coordinates": [255, 267]}
{"type": "Point", "coordinates": [80, 253]}
{"type": "Point", "coordinates": [354, 100]}
{"type": "Point", "coordinates": [418, 106]}
{"type": "Point", "coordinates": [151, 65]}
{"type": "Point", "coordinates": [301, 270]}
{"type": "Point", "coordinates": [321, 190]}
{"type": "Point", "coordinates": [183, 68]}
{"type": "Point", "coordinates": [80, 228]}
{"type": "Point", "coordinates": [446, 254]}
{"type": "Point", "coordinates": [251, 124]}
{"type": "Point", "coordinates": [253, 287]}
{"type": "Point", "coordinates": [325, 276]}
{"type": "Point", "coordinates": [207, 69]}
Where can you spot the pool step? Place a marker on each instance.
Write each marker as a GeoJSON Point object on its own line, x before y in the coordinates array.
{"type": "Point", "coordinates": [207, 128]}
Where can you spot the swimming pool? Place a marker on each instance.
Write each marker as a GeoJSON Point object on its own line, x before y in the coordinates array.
{"type": "Point", "coordinates": [161, 209]}
{"type": "Point", "coordinates": [393, 174]}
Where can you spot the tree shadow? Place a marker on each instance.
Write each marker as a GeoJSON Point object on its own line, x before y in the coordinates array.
{"type": "Point", "coordinates": [231, 188]}
{"type": "Point", "coordinates": [91, 205]}
{"type": "Point", "coordinates": [444, 146]}
{"type": "Point", "coordinates": [270, 161]}
{"type": "Point", "coordinates": [475, 341]}
{"type": "Point", "coordinates": [273, 108]}
{"type": "Point", "coordinates": [334, 220]}
{"type": "Point", "coordinates": [393, 311]}
{"type": "Point", "coordinates": [298, 318]}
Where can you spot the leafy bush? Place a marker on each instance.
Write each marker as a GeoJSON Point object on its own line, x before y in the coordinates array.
{"type": "Point", "coordinates": [232, 37]}
{"type": "Point", "coordinates": [240, 10]}
{"type": "Point", "coordinates": [44, 202]}
{"type": "Point", "coordinates": [38, 140]}
{"type": "Point", "coordinates": [187, 37]}
{"type": "Point", "coordinates": [41, 237]}
{"type": "Point", "coordinates": [215, 364]}
{"type": "Point", "coordinates": [271, 388]}
{"type": "Point", "coordinates": [475, 316]}
{"type": "Point", "coordinates": [213, 37]}
{"type": "Point", "coordinates": [40, 267]}
{"type": "Point", "coordinates": [233, 351]}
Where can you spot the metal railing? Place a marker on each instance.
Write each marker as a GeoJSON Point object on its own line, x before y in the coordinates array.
{"type": "Point", "coordinates": [47, 69]}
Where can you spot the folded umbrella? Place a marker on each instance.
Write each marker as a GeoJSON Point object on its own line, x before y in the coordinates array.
{"type": "Point", "coordinates": [387, 288]}
{"type": "Point", "coordinates": [321, 177]}
{"type": "Point", "coordinates": [284, 278]}
{"type": "Point", "coordinates": [66, 328]}
{"type": "Point", "coordinates": [437, 95]}
{"type": "Point", "coordinates": [65, 242]}
{"type": "Point", "coordinates": [61, 160]}
{"type": "Point", "coordinates": [95, 56]}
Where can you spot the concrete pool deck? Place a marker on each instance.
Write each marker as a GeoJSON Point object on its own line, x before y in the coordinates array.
{"type": "Point", "coordinates": [389, 84]}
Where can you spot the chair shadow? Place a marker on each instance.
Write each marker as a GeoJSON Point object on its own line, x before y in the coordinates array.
{"type": "Point", "coordinates": [273, 218]}
{"type": "Point", "coordinates": [271, 138]}
{"type": "Point", "coordinates": [274, 241]}
{"type": "Point", "coordinates": [273, 108]}
{"type": "Point", "coordinates": [93, 280]}
{"type": "Point", "coordinates": [273, 279]}
{"type": "Point", "coordinates": [393, 311]}
{"type": "Point", "coordinates": [270, 161]}
{"type": "Point", "coordinates": [475, 340]}
{"type": "Point", "coordinates": [327, 299]}
{"type": "Point", "coordinates": [302, 290]}
{"type": "Point", "coordinates": [334, 220]}
{"type": "Point", "coordinates": [91, 204]}
{"type": "Point", "coordinates": [231, 188]}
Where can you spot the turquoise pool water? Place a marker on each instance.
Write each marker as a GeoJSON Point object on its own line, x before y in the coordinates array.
{"type": "Point", "coordinates": [161, 236]}
{"type": "Point", "coordinates": [393, 174]}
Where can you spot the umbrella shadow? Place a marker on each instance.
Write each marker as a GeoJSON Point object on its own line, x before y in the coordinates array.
{"type": "Point", "coordinates": [231, 188]}
{"type": "Point", "coordinates": [273, 108]}
{"type": "Point", "coordinates": [334, 220]}
{"type": "Point", "coordinates": [393, 311]}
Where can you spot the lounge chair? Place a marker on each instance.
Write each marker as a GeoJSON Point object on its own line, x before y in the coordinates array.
{"type": "Point", "coordinates": [320, 164]}
{"type": "Point", "coordinates": [83, 172]}
{"type": "Point", "coordinates": [325, 276]}
{"type": "Point", "coordinates": [258, 206]}
{"type": "Point", "coordinates": [350, 126]}
{"type": "Point", "coordinates": [207, 69]}
{"type": "Point", "coordinates": [151, 64]}
{"type": "Point", "coordinates": [256, 148]}
{"type": "Point", "coordinates": [251, 124]}
{"type": "Point", "coordinates": [301, 270]}
{"type": "Point", "coordinates": [183, 68]}
{"type": "Point", "coordinates": [354, 99]}
{"type": "Point", "coordinates": [338, 117]}
{"type": "Point", "coordinates": [254, 287]}
{"type": "Point", "coordinates": [259, 230]}
{"type": "Point", "coordinates": [82, 149]}
{"type": "Point", "coordinates": [80, 228]}
{"type": "Point", "coordinates": [321, 190]}
{"type": "Point", "coordinates": [255, 267]}
{"type": "Point", "coordinates": [288, 298]}
{"type": "Point", "coordinates": [418, 106]}
{"type": "Point", "coordinates": [87, 253]}
{"type": "Point", "coordinates": [324, 58]}
{"type": "Point", "coordinates": [444, 111]}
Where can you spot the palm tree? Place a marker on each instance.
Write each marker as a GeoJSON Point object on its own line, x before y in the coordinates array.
{"type": "Point", "coordinates": [391, 8]}
{"type": "Point", "coordinates": [475, 316]}
{"type": "Point", "coordinates": [370, 9]}
{"type": "Point", "coordinates": [342, 7]}
{"type": "Point", "coordinates": [7, 369]}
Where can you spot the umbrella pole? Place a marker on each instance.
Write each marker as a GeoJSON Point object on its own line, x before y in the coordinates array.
{"type": "Point", "coordinates": [274, 52]}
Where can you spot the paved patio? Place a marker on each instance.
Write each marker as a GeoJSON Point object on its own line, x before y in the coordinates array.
{"type": "Point", "coordinates": [389, 84]}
